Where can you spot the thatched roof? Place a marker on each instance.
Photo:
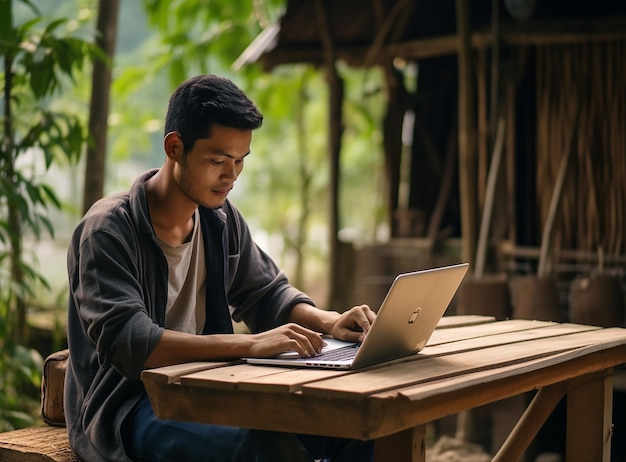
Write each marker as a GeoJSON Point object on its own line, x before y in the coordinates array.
{"type": "Point", "coordinates": [364, 33]}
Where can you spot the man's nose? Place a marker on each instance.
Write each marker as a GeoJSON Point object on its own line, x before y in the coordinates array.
{"type": "Point", "coordinates": [230, 171]}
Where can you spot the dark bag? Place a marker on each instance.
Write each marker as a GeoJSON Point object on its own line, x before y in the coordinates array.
{"type": "Point", "coordinates": [52, 384]}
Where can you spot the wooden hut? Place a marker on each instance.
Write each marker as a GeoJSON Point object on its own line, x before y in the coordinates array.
{"type": "Point", "coordinates": [519, 140]}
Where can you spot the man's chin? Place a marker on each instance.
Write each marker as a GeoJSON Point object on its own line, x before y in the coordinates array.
{"type": "Point", "coordinates": [214, 205]}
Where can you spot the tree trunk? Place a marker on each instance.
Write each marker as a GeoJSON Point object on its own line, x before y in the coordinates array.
{"type": "Point", "coordinates": [99, 106]}
{"type": "Point", "coordinates": [306, 178]}
{"type": "Point", "coordinates": [335, 128]}
{"type": "Point", "coordinates": [20, 333]}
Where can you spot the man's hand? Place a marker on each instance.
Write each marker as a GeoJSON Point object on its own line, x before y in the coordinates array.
{"type": "Point", "coordinates": [288, 337]}
{"type": "Point", "coordinates": [354, 324]}
{"type": "Point", "coordinates": [350, 326]}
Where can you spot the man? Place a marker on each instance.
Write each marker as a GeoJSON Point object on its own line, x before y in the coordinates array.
{"type": "Point", "coordinates": [156, 273]}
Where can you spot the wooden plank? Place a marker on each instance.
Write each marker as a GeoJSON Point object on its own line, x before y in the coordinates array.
{"type": "Point", "coordinates": [288, 382]}
{"type": "Point", "coordinates": [447, 322]}
{"type": "Point", "coordinates": [173, 373]}
{"type": "Point", "coordinates": [360, 385]}
{"type": "Point", "coordinates": [550, 330]}
{"type": "Point", "coordinates": [426, 390]}
{"type": "Point", "coordinates": [229, 376]}
{"type": "Point", "coordinates": [482, 330]}
{"type": "Point", "coordinates": [589, 409]}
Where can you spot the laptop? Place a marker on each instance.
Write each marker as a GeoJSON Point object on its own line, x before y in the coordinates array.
{"type": "Point", "coordinates": [406, 319]}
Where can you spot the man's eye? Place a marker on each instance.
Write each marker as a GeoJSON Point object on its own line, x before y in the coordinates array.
{"type": "Point", "coordinates": [217, 162]}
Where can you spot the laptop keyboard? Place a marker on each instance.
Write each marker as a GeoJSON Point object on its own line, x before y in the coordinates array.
{"type": "Point", "coordinates": [338, 354]}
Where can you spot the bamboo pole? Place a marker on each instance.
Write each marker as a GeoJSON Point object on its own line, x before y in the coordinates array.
{"type": "Point", "coordinates": [483, 130]}
{"type": "Point", "coordinates": [467, 151]}
{"type": "Point", "coordinates": [511, 155]}
{"type": "Point", "coordinates": [485, 225]}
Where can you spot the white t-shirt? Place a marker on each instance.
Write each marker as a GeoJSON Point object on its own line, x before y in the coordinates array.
{"type": "Point", "coordinates": [186, 288]}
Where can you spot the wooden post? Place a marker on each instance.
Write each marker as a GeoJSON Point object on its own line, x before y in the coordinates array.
{"type": "Point", "coordinates": [335, 128]}
{"type": "Point", "coordinates": [589, 412]}
{"type": "Point", "coordinates": [467, 164]}
{"type": "Point", "coordinates": [336, 89]}
{"type": "Point", "coordinates": [409, 445]}
{"type": "Point", "coordinates": [392, 133]}
{"type": "Point", "coordinates": [467, 137]}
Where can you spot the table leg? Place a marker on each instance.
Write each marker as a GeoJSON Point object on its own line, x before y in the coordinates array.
{"type": "Point", "coordinates": [405, 446]}
{"type": "Point", "coordinates": [589, 414]}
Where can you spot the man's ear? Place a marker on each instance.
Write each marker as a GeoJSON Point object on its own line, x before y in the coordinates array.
{"type": "Point", "coordinates": [173, 145]}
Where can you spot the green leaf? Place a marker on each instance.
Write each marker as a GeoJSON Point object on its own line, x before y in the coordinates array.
{"type": "Point", "coordinates": [47, 224]}
{"type": "Point", "coordinates": [33, 193]}
{"type": "Point", "coordinates": [51, 196]}
{"type": "Point", "coordinates": [54, 25]}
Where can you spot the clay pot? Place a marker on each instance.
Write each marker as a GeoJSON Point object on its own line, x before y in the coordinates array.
{"type": "Point", "coordinates": [596, 300]}
{"type": "Point", "coordinates": [536, 298]}
{"type": "Point", "coordinates": [487, 296]}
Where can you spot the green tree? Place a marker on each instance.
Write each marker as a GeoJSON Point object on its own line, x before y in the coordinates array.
{"type": "Point", "coordinates": [201, 36]}
{"type": "Point", "coordinates": [37, 59]}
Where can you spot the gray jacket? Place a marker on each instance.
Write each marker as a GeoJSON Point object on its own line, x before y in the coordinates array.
{"type": "Point", "coordinates": [118, 292]}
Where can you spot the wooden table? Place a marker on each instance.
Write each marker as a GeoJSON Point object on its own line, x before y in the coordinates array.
{"type": "Point", "coordinates": [468, 362]}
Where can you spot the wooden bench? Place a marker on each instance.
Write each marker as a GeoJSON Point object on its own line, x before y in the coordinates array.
{"type": "Point", "coordinates": [36, 444]}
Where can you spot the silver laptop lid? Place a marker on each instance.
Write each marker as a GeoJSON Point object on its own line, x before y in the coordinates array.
{"type": "Point", "coordinates": [409, 314]}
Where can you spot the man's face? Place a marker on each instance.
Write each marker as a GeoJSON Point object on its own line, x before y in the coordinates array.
{"type": "Point", "coordinates": [208, 172]}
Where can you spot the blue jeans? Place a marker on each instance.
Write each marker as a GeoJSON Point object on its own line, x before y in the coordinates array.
{"type": "Point", "coordinates": [149, 439]}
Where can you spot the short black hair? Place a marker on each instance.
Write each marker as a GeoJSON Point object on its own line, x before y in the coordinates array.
{"type": "Point", "coordinates": [206, 100]}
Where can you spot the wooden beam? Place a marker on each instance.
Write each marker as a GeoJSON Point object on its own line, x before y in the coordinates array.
{"type": "Point", "coordinates": [387, 26]}
{"type": "Point", "coordinates": [530, 33]}
{"type": "Point", "coordinates": [542, 405]}
{"type": "Point", "coordinates": [509, 250]}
